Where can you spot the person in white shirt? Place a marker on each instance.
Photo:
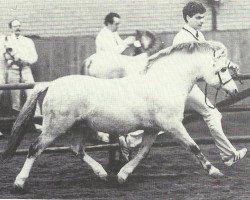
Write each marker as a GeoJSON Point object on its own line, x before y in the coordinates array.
{"type": "Point", "coordinates": [194, 14]}
{"type": "Point", "coordinates": [2, 65]}
{"type": "Point", "coordinates": [20, 55]}
{"type": "Point", "coordinates": [108, 38]}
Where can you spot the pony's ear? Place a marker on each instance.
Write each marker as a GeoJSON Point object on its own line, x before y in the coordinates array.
{"type": "Point", "coordinates": [138, 32]}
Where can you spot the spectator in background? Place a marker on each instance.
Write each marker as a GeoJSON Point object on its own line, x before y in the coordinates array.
{"type": "Point", "coordinates": [20, 54]}
{"type": "Point", "coordinates": [108, 38]}
{"type": "Point", "coordinates": [2, 65]}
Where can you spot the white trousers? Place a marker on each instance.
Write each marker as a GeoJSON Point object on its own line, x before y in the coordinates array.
{"type": "Point", "coordinates": [212, 117]}
{"type": "Point", "coordinates": [27, 77]}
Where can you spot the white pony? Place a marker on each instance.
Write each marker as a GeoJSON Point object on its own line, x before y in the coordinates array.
{"type": "Point", "coordinates": [110, 65]}
{"type": "Point", "coordinates": [151, 102]}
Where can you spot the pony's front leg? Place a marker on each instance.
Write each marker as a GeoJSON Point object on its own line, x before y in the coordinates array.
{"type": "Point", "coordinates": [96, 167]}
{"type": "Point", "coordinates": [147, 141]}
{"type": "Point", "coordinates": [78, 147]}
{"type": "Point", "coordinates": [180, 133]}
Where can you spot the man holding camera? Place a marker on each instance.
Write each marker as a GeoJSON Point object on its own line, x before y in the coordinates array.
{"type": "Point", "coordinates": [2, 66]}
{"type": "Point", "coordinates": [20, 54]}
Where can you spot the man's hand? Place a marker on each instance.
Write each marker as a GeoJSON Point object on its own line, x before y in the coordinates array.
{"type": "Point", "coordinates": [7, 56]}
{"type": "Point", "coordinates": [234, 67]}
{"type": "Point", "coordinates": [130, 40]}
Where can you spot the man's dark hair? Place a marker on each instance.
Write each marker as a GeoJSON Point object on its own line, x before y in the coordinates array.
{"type": "Point", "coordinates": [192, 8]}
{"type": "Point", "coordinates": [10, 23]}
{"type": "Point", "coordinates": [109, 19]}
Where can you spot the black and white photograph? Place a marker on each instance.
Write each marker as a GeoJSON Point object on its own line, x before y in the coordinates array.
{"type": "Point", "coordinates": [132, 99]}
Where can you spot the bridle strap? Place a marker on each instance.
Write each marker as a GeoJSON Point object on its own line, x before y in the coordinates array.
{"type": "Point", "coordinates": [217, 90]}
{"type": "Point", "coordinates": [221, 84]}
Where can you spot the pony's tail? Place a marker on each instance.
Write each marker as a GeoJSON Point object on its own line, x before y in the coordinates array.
{"type": "Point", "coordinates": [20, 125]}
{"type": "Point", "coordinates": [85, 66]}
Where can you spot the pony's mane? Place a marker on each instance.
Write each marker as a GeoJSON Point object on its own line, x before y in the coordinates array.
{"type": "Point", "coordinates": [190, 47]}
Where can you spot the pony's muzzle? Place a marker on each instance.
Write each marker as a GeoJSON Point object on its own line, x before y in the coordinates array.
{"type": "Point", "coordinates": [236, 91]}
{"type": "Point", "coordinates": [232, 93]}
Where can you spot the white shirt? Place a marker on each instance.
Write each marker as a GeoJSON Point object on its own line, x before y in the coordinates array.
{"type": "Point", "coordinates": [188, 34]}
{"type": "Point", "coordinates": [2, 49]}
{"type": "Point", "coordinates": [23, 48]}
{"type": "Point", "coordinates": [107, 40]}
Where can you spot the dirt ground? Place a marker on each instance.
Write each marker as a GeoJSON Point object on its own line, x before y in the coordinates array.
{"type": "Point", "coordinates": [65, 176]}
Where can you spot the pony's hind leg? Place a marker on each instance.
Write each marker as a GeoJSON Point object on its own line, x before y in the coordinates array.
{"type": "Point", "coordinates": [80, 135]}
{"type": "Point", "coordinates": [52, 128]}
{"type": "Point", "coordinates": [34, 151]}
{"type": "Point", "coordinates": [180, 133]}
{"type": "Point", "coordinates": [148, 139]}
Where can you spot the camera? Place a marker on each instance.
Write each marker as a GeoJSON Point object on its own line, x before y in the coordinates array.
{"type": "Point", "coordinates": [9, 49]}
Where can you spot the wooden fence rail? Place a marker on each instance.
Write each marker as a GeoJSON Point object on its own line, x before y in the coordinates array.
{"type": "Point", "coordinates": [115, 146]}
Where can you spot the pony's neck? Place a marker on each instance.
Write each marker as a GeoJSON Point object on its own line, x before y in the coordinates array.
{"type": "Point", "coordinates": [183, 69]}
{"type": "Point", "coordinates": [197, 64]}
{"type": "Point", "coordinates": [191, 64]}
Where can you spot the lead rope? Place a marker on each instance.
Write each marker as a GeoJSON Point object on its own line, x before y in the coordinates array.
{"type": "Point", "coordinates": [215, 99]}
{"type": "Point", "coordinates": [236, 75]}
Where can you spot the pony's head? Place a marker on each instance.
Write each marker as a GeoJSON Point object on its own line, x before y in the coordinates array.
{"type": "Point", "coordinates": [220, 76]}
{"type": "Point", "coordinates": [147, 42]}
{"type": "Point", "coordinates": [211, 61]}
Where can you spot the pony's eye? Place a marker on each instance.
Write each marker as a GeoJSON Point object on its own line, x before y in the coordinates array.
{"type": "Point", "coordinates": [223, 69]}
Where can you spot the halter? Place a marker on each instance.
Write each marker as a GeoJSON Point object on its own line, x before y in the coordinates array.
{"type": "Point", "coordinates": [234, 75]}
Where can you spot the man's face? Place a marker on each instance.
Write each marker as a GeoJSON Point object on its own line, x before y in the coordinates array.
{"type": "Point", "coordinates": [16, 27]}
{"type": "Point", "coordinates": [114, 27]}
{"type": "Point", "coordinates": [196, 21]}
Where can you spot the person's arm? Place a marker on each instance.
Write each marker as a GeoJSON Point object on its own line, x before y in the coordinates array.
{"type": "Point", "coordinates": [233, 66]}
{"type": "Point", "coordinates": [122, 44]}
{"type": "Point", "coordinates": [107, 42]}
{"type": "Point", "coordinates": [27, 53]}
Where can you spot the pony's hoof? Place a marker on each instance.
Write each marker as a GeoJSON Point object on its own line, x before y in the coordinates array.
{"type": "Point", "coordinates": [215, 173]}
{"type": "Point", "coordinates": [18, 190]}
{"type": "Point", "coordinates": [102, 175]}
{"type": "Point", "coordinates": [121, 180]}
{"type": "Point", "coordinates": [122, 177]}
